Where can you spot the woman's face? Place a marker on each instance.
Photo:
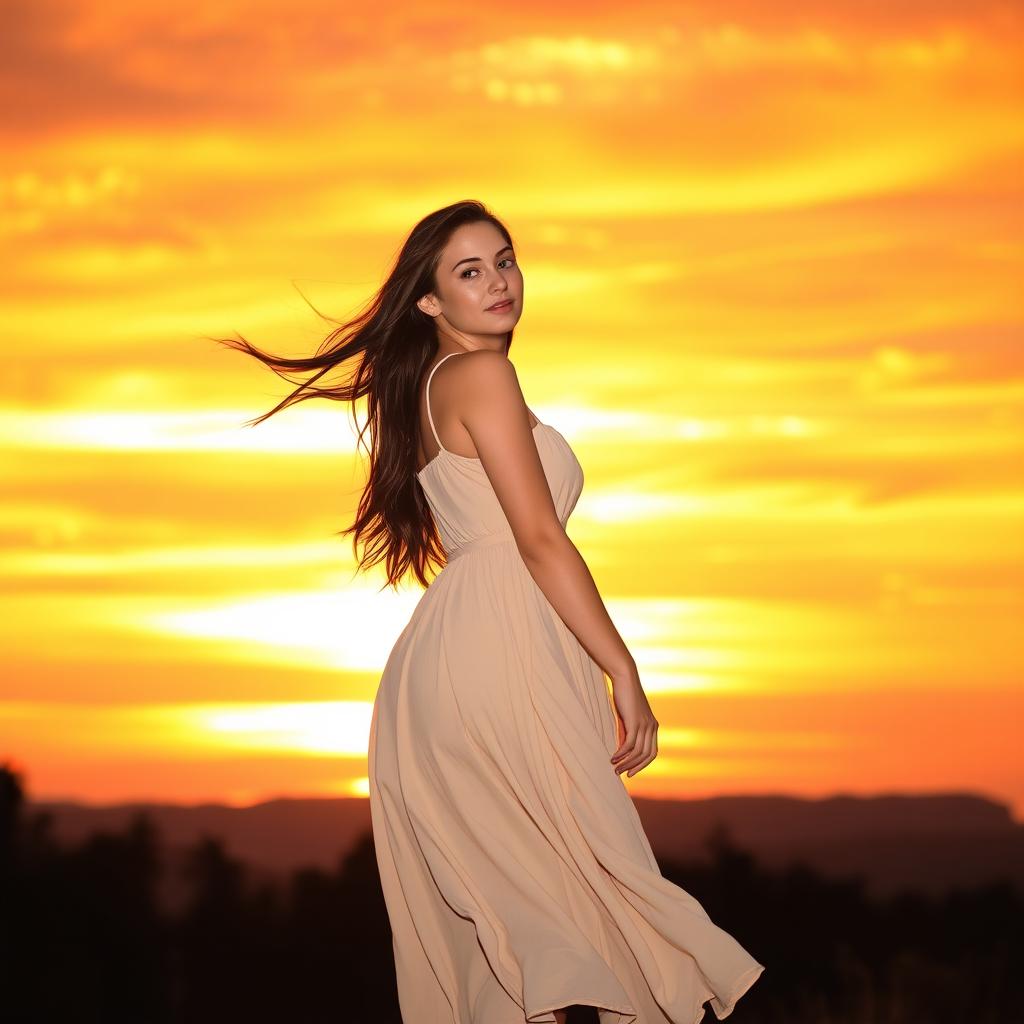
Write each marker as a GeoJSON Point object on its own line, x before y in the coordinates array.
{"type": "Point", "coordinates": [477, 269]}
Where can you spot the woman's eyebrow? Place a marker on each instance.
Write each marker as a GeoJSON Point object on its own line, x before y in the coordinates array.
{"type": "Point", "coordinates": [469, 259]}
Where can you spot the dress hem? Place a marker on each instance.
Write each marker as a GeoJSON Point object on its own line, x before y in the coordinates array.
{"type": "Point", "coordinates": [534, 1018]}
{"type": "Point", "coordinates": [744, 985]}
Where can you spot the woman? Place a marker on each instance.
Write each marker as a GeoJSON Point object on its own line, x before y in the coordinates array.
{"type": "Point", "coordinates": [518, 878]}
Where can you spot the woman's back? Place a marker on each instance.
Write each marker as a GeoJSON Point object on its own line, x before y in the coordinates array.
{"type": "Point", "coordinates": [460, 494]}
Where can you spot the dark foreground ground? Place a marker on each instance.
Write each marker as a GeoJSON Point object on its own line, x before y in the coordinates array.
{"type": "Point", "coordinates": [85, 936]}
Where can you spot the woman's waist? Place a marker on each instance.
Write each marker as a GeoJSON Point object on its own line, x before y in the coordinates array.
{"type": "Point", "coordinates": [481, 543]}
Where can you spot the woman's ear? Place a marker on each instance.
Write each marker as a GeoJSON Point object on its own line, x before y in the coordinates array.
{"type": "Point", "coordinates": [428, 304]}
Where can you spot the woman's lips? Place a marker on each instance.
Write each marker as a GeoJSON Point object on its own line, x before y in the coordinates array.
{"type": "Point", "coordinates": [504, 307]}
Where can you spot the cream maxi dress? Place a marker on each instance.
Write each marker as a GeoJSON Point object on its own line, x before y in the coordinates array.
{"type": "Point", "coordinates": [515, 869]}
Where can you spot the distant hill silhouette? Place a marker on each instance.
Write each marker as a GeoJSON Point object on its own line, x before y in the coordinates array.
{"type": "Point", "coordinates": [926, 842]}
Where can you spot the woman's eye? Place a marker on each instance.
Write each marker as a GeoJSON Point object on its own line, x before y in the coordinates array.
{"type": "Point", "coordinates": [469, 270]}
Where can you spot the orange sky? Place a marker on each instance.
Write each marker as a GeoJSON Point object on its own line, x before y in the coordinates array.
{"type": "Point", "coordinates": [772, 262]}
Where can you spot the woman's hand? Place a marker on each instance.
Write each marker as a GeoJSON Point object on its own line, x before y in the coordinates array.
{"type": "Point", "coordinates": [638, 728]}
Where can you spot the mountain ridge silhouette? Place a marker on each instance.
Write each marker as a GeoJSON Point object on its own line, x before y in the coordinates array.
{"type": "Point", "coordinates": [930, 842]}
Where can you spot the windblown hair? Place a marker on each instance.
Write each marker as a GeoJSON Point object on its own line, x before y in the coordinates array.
{"type": "Point", "coordinates": [395, 341]}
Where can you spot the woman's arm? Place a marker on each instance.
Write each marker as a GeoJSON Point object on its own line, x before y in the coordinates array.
{"type": "Point", "coordinates": [493, 411]}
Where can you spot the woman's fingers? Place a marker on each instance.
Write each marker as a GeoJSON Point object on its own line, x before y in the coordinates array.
{"type": "Point", "coordinates": [640, 753]}
{"type": "Point", "coordinates": [628, 744]}
{"type": "Point", "coordinates": [643, 753]}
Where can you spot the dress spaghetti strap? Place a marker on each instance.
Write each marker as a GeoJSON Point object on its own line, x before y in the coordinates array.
{"type": "Point", "coordinates": [429, 414]}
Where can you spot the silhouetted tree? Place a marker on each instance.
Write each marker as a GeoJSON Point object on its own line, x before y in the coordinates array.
{"type": "Point", "coordinates": [12, 799]}
{"type": "Point", "coordinates": [216, 942]}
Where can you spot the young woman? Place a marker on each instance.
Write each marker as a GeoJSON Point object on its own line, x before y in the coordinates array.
{"type": "Point", "coordinates": [518, 878]}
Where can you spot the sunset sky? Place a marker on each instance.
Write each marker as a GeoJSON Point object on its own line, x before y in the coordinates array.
{"type": "Point", "coordinates": [773, 258]}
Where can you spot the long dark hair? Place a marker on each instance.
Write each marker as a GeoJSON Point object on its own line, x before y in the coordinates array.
{"type": "Point", "coordinates": [397, 341]}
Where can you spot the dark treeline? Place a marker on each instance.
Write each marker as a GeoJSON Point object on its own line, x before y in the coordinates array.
{"type": "Point", "coordinates": [85, 937]}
